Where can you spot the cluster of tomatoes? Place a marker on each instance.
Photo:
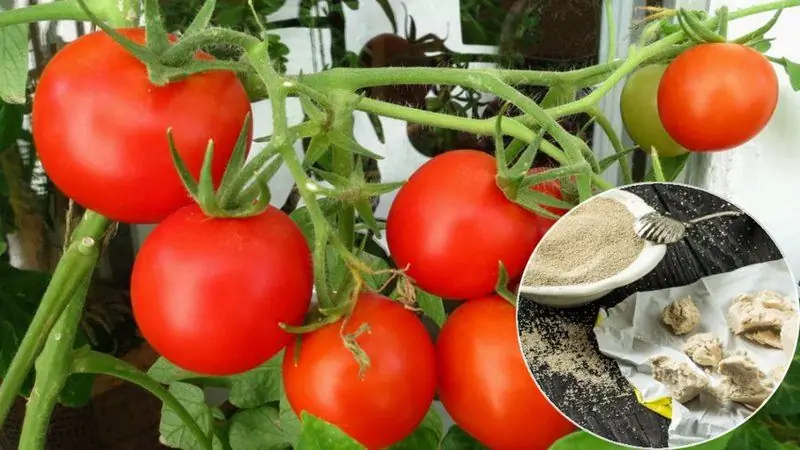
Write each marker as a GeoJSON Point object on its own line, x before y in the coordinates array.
{"type": "Point", "coordinates": [712, 97]}
{"type": "Point", "coordinates": [209, 293]}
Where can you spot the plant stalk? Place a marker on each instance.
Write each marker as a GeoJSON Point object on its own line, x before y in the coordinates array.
{"type": "Point", "coordinates": [92, 362]}
{"type": "Point", "coordinates": [75, 266]}
{"type": "Point", "coordinates": [53, 367]}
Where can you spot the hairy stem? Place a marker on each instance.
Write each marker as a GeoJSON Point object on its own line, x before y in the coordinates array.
{"type": "Point", "coordinates": [616, 142]}
{"type": "Point", "coordinates": [102, 364]}
{"type": "Point", "coordinates": [75, 266]}
{"type": "Point", "coordinates": [53, 367]}
{"type": "Point", "coordinates": [117, 13]}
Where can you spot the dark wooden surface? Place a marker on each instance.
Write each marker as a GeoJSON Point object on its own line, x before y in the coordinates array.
{"type": "Point", "coordinates": [717, 246]}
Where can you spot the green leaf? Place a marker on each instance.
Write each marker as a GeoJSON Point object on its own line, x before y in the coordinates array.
{"type": "Point", "coordinates": [762, 45]}
{"type": "Point", "coordinates": [165, 372]}
{"type": "Point", "coordinates": [558, 95]}
{"type": "Point", "coordinates": [11, 117]}
{"type": "Point", "coordinates": [432, 306]}
{"type": "Point", "coordinates": [426, 436]}
{"type": "Point", "coordinates": [258, 429]}
{"type": "Point", "coordinates": [258, 386]}
{"type": "Point", "coordinates": [580, 440]}
{"type": "Point", "coordinates": [786, 400]}
{"type": "Point", "coordinates": [784, 428]}
{"type": "Point", "coordinates": [671, 167]}
{"type": "Point", "coordinates": [13, 63]}
{"type": "Point", "coordinates": [752, 435]}
{"type": "Point", "coordinates": [20, 293]}
{"type": "Point", "coordinates": [337, 271]}
{"type": "Point", "coordinates": [290, 423]}
{"type": "Point", "coordinates": [458, 439]}
{"type": "Point", "coordinates": [792, 69]}
{"type": "Point", "coordinates": [247, 390]}
{"type": "Point", "coordinates": [316, 434]}
{"type": "Point", "coordinates": [303, 219]}
{"type": "Point", "coordinates": [173, 432]}
{"type": "Point", "coordinates": [239, 155]}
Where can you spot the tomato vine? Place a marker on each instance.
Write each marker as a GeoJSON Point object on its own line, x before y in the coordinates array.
{"type": "Point", "coordinates": [329, 99]}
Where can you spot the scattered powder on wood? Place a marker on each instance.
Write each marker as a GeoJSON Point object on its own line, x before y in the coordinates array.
{"type": "Point", "coordinates": [592, 243]}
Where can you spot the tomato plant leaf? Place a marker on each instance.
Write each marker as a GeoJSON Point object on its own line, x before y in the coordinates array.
{"type": "Point", "coordinates": [752, 435]}
{"type": "Point", "coordinates": [432, 306]}
{"type": "Point", "coordinates": [20, 292]}
{"type": "Point", "coordinates": [290, 423]}
{"type": "Point", "coordinates": [792, 69]}
{"type": "Point", "coordinates": [786, 400]}
{"type": "Point", "coordinates": [783, 428]}
{"type": "Point", "coordinates": [316, 434]}
{"type": "Point", "coordinates": [670, 167]}
{"type": "Point", "coordinates": [426, 436]}
{"type": "Point", "coordinates": [165, 372]}
{"type": "Point", "coordinates": [258, 386]}
{"type": "Point", "coordinates": [247, 390]}
{"type": "Point", "coordinates": [173, 431]}
{"type": "Point", "coordinates": [13, 63]}
{"type": "Point", "coordinates": [762, 45]}
{"type": "Point", "coordinates": [258, 429]}
{"type": "Point", "coordinates": [458, 439]}
{"type": "Point", "coordinates": [303, 219]}
{"type": "Point", "coordinates": [580, 440]}
{"type": "Point", "coordinates": [11, 117]}
{"type": "Point", "coordinates": [761, 31]}
{"type": "Point", "coordinates": [387, 9]}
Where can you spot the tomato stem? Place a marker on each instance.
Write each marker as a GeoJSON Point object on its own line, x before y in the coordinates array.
{"type": "Point", "coordinates": [91, 362]}
{"type": "Point", "coordinates": [53, 366]}
{"type": "Point", "coordinates": [116, 13]}
{"type": "Point", "coordinates": [616, 142]}
{"type": "Point", "coordinates": [74, 267]}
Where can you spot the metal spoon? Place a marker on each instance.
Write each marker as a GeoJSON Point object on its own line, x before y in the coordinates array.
{"type": "Point", "coordinates": [660, 229]}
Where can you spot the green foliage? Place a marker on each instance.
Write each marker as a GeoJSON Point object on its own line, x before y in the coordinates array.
{"type": "Point", "coordinates": [458, 439]}
{"type": "Point", "coordinates": [235, 14]}
{"type": "Point", "coordinates": [14, 67]}
{"type": "Point", "coordinates": [20, 292]}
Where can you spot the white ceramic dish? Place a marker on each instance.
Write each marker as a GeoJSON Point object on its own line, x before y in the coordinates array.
{"type": "Point", "coordinates": [581, 294]}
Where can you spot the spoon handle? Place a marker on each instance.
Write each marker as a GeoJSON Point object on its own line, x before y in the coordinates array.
{"type": "Point", "coordinates": [715, 215]}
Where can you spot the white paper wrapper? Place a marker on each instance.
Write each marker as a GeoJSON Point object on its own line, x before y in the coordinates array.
{"type": "Point", "coordinates": [633, 331]}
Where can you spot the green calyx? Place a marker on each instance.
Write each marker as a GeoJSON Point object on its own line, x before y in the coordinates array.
{"type": "Point", "coordinates": [515, 179]}
{"type": "Point", "coordinates": [167, 62]}
{"type": "Point", "coordinates": [234, 198]}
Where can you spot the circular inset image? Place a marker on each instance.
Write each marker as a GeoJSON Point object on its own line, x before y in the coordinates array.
{"type": "Point", "coordinates": [657, 315]}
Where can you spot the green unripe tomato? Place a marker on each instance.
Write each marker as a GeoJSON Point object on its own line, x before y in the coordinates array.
{"type": "Point", "coordinates": [639, 109]}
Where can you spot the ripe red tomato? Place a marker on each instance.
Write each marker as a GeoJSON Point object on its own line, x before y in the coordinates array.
{"type": "Point", "coordinates": [100, 127]}
{"type": "Point", "coordinates": [717, 96]}
{"type": "Point", "coordinates": [208, 294]}
{"type": "Point", "coordinates": [397, 389]}
{"type": "Point", "coordinates": [451, 224]}
{"type": "Point", "coordinates": [484, 384]}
